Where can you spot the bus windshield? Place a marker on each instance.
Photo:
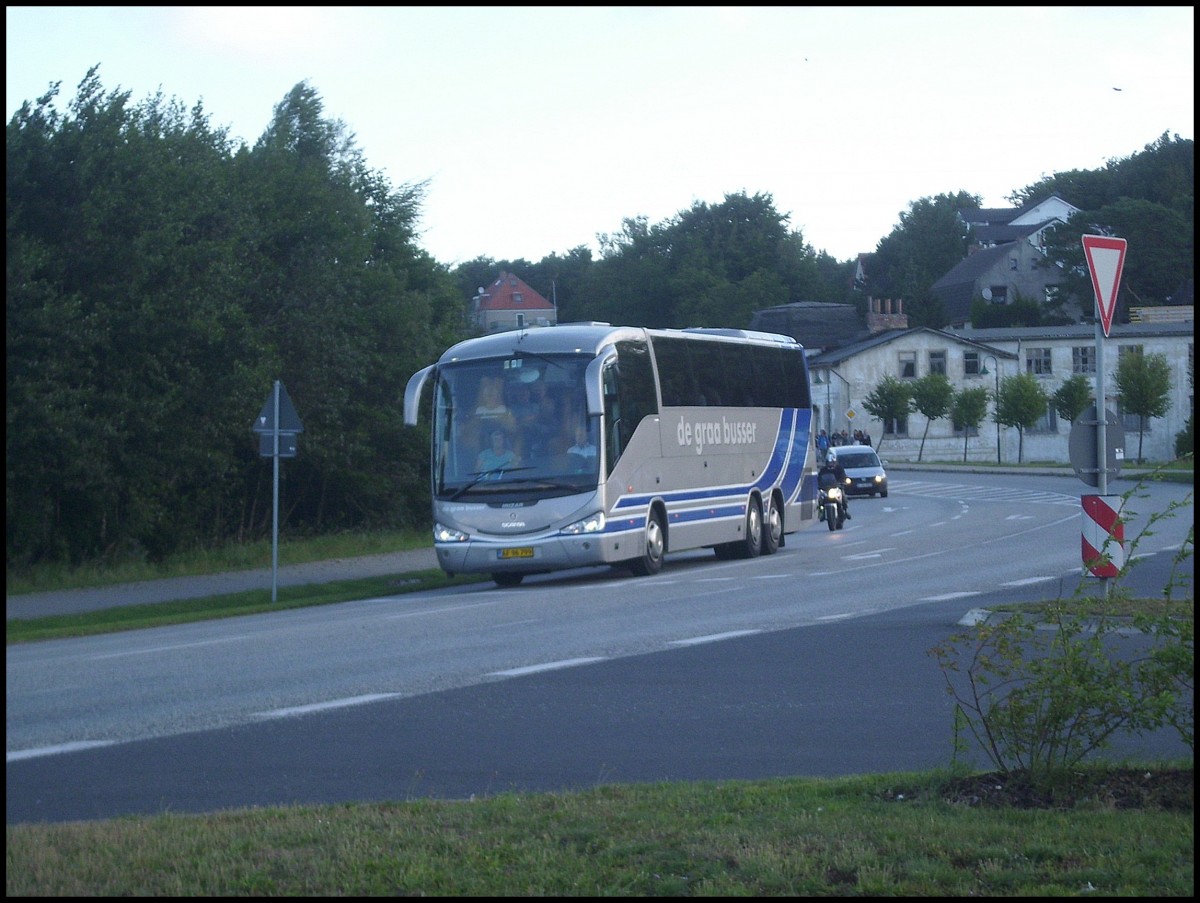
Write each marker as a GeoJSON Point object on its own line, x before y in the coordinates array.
{"type": "Point", "coordinates": [514, 425]}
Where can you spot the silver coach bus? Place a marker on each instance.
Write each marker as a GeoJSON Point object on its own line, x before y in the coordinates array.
{"type": "Point", "coordinates": [588, 444]}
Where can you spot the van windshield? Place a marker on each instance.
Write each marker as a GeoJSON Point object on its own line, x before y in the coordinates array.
{"type": "Point", "coordinates": [859, 459]}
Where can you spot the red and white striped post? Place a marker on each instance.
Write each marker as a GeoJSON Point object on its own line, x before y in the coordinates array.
{"type": "Point", "coordinates": [1103, 535]}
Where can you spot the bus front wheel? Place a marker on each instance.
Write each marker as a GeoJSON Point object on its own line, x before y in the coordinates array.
{"type": "Point", "coordinates": [650, 561]}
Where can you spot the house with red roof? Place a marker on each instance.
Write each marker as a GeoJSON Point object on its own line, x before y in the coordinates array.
{"type": "Point", "coordinates": [509, 303]}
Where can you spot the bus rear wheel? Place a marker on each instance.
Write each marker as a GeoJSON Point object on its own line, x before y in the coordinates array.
{"type": "Point", "coordinates": [654, 544]}
{"type": "Point", "coordinates": [751, 544]}
{"type": "Point", "coordinates": [772, 534]}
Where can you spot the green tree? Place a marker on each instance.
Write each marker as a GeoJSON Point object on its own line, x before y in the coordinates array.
{"type": "Point", "coordinates": [932, 396]}
{"type": "Point", "coordinates": [349, 307]}
{"type": "Point", "coordinates": [711, 265]}
{"type": "Point", "coordinates": [1144, 386]}
{"type": "Point", "coordinates": [159, 278]}
{"type": "Point", "coordinates": [968, 411]}
{"type": "Point", "coordinates": [1073, 397]}
{"type": "Point", "coordinates": [128, 348]}
{"type": "Point", "coordinates": [929, 241]}
{"type": "Point", "coordinates": [1148, 199]}
{"type": "Point", "coordinates": [890, 402]}
{"type": "Point", "coordinates": [1022, 403]}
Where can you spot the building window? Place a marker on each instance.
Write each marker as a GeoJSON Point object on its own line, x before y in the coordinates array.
{"type": "Point", "coordinates": [908, 365]}
{"type": "Point", "coordinates": [937, 362]}
{"type": "Point", "coordinates": [959, 429]}
{"type": "Point", "coordinates": [1083, 359]}
{"type": "Point", "coordinates": [518, 298]}
{"type": "Point", "coordinates": [971, 363]}
{"type": "Point", "coordinates": [897, 427]}
{"type": "Point", "coordinates": [1128, 349]}
{"type": "Point", "coordinates": [1014, 264]}
{"type": "Point", "coordinates": [1132, 423]}
{"type": "Point", "coordinates": [999, 294]}
{"type": "Point", "coordinates": [1037, 361]}
{"type": "Point", "coordinates": [1048, 422]}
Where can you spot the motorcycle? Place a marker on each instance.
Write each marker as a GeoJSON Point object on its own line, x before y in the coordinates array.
{"type": "Point", "coordinates": [831, 503]}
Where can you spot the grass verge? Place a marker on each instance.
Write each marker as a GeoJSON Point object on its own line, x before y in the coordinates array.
{"type": "Point", "coordinates": [208, 608]}
{"type": "Point", "coordinates": [879, 835]}
{"type": "Point", "coordinates": [233, 557]}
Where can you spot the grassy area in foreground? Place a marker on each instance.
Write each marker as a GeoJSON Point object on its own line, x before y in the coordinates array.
{"type": "Point", "coordinates": [879, 835]}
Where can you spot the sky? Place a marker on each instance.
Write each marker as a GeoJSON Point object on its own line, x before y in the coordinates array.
{"type": "Point", "coordinates": [538, 130]}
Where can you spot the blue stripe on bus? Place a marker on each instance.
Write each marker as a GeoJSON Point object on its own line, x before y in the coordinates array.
{"type": "Point", "coordinates": [788, 457]}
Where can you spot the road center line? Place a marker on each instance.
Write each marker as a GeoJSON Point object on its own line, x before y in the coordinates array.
{"type": "Point", "coordinates": [713, 637]}
{"type": "Point", "coordinates": [325, 706]}
{"type": "Point", "coordinates": [547, 666]}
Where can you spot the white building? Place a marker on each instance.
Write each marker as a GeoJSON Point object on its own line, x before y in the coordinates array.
{"type": "Point", "coordinates": [845, 376]}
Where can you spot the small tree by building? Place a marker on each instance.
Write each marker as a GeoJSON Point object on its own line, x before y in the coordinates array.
{"type": "Point", "coordinates": [1144, 388]}
{"type": "Point", "coordinates": [968, 410]}
{"type": "Point", "coordinates": [932, 396]}
{"type": "Point", "coordinates": [1072, 397]}
{"type": "Point", "coordinates": [1021, 403]}
{"type": "Point", "coordinates": [890, 402]}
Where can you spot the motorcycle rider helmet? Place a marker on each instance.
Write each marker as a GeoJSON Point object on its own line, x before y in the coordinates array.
{"type": "Point", "coordinates": [831, 459]}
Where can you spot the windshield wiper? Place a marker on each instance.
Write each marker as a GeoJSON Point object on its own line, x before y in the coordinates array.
{"type": "Point", "coordinates": [483, 475]}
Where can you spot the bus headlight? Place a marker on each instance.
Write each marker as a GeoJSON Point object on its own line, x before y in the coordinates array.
{"type": "Point", "coordinates": [593, 523]}
{"type": "Point", "coordinates": [445, 534]}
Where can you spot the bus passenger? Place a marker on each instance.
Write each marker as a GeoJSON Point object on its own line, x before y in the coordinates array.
{"type": "Point", "coordinates": [584, 448]}
{"type": "Point", "coordinates": [497, 456]}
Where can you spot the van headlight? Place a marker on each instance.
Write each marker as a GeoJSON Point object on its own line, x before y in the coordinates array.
{"type": "Point", "coordinates": [443, 533]}
{"type": "Point", "coordinates": [593, 523]}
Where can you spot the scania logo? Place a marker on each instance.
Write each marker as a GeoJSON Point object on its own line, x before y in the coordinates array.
{"type": "Point", "coordinates": [513, 523]}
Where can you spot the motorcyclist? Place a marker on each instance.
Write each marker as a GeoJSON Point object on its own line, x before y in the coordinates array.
{"type": "Point", "coordinates": [831, 465]}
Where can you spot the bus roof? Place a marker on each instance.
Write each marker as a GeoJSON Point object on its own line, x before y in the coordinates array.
{"type": "Point", "coordinates": [588, 338]}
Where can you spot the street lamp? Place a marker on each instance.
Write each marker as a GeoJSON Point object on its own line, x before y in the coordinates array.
{"type": "Point", "coordinates": [996, 397]}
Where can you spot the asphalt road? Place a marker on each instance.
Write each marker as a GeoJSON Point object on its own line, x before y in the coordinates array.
{"type": "Point", "coordinates": [847, 697]}
{"type": "Point", "coordinates": [35, 605]}
{"type": "Point", "coordinates": [853, 696]}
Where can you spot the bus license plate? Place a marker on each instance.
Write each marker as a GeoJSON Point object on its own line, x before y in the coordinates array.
{"type": "Point", "coordinates": [519, 552]}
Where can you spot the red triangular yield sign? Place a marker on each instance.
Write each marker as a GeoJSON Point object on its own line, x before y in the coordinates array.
{"type": "Point", "coordinates": [1105, 259]}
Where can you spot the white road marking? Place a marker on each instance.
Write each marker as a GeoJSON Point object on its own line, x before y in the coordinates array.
{"type": "Point", "coordinates": [325, 706]}
{"type": "Point", "coordinates": [713, 637]}
{"type": "Point", "coordinates": [21, 754]}
{"type": "Point", "coordinates": [548, 666]}
{"type": "Point", "coordinates": [153, 649]}
{"type": "Point", "coordinates": [946, 597]}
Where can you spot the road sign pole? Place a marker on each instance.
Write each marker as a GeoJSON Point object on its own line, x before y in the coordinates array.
{"type": "Point", "coordinates": [1101, 433]}
{"type": "Point", "coordinates": [275, 500]}
{"type": "Point", "coordinates": [278, 418]}
{"type": "Point", "coordinates": [1105, 256]}
{"type": "Point", "coordinates": [1101, 416]}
